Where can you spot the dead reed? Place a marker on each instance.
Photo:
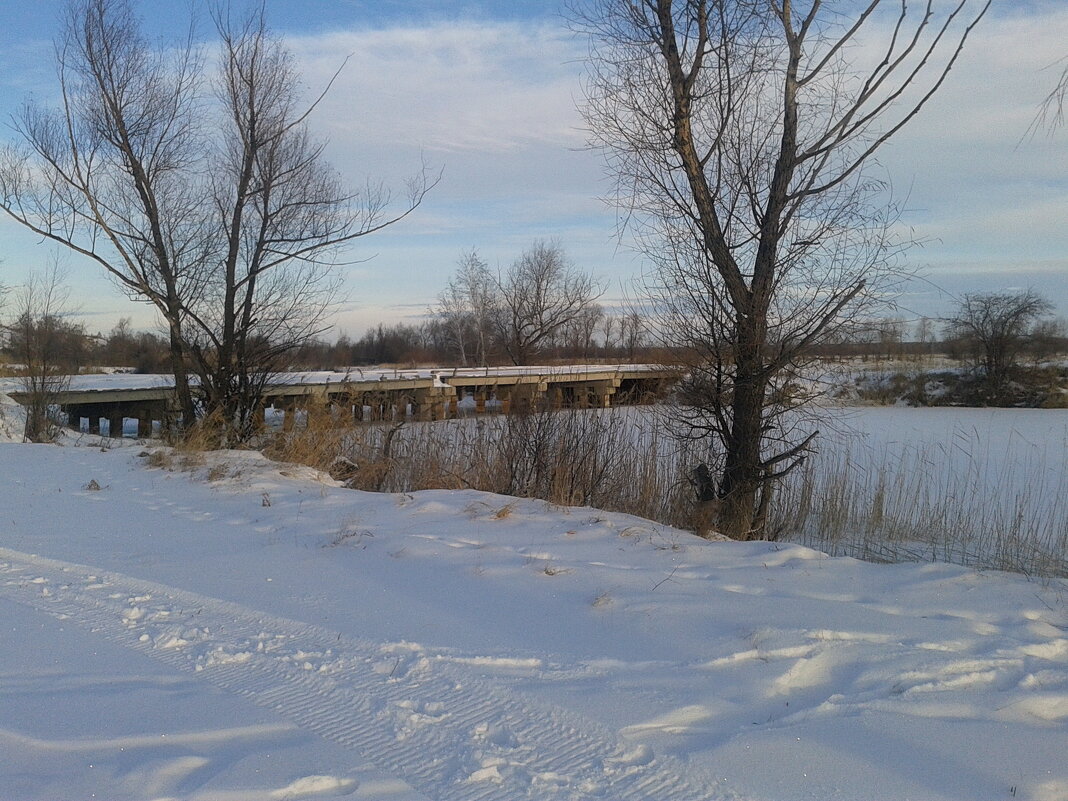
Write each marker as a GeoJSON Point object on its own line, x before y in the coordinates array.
{"type": "Point", "coordinates": [888, 507]}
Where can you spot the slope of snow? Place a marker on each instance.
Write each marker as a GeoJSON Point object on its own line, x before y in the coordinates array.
{"type": "Point", "coordinates": [243, 629]}
{"type": "Point", "coordinates": [12, 419]}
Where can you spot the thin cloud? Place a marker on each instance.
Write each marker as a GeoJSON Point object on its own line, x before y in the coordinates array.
{"type": "Point", "coordinates": [449, 87]}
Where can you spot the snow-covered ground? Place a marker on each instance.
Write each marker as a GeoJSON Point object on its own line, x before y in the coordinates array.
{"type": "Point", "coordinates": [248, 630]}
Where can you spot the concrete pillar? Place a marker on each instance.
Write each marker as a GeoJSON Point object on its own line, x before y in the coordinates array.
{"type": "Point", "coordinates": [94, 423]}
{"type": "Point", "coordinates": [602, 395]}
{"type": "Point", "coordinates": [504, 395]}
{"type": "Point", "coordinates": [525, 397]}
{"type": "Point", "coordinates": [421, 408]}
{"type": "Point", "coordinates": [115, 425]}
{"type": "Point", "coordinates": [144, 423]}
{"type": "Point", "coordinates": [480, 400]}
{"type": "Point", "coordinates": [429, 404]}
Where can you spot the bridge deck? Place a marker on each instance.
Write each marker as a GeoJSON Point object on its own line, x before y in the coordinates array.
{"type": "Point", "coordinates": [429, 393]}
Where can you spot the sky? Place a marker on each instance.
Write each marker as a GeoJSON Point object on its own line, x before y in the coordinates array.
{"type": "Point", "coordinates": [488, 93]}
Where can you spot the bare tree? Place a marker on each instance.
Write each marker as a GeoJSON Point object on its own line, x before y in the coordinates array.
{"type": "Point", "coordinates": [540, 294]}
{"type": "Point", "coordinates": [891, 334]}
{"type": "Point", "coordinates": [995, 327]}
{"type": "Point", "coordinates": [609, 332]}
{"type": "Point", "coordinates": [925, 334]}
{"type": "Point", "coordinates": [210, 200]}
{"type": "Point", "coordinates": [1047, 340]}
{"type": "Point", "coordinates": [453, 315]}
{"type": "Point", "coordinates": [483, 301]}
{"type": "Point", "coordinates": [466, 308]}
{"type": "Point", "coordinates": [47, 346]}
{"type": "Point", "coordinates": [281, 216]}
{"type": "Point", "coordinates": [632, 331]}
{"type": "Point", "coordinates": [739, 133]}
{"type": "Point", "coordinates": [112, 174]}
{"type": "Point", "coordinates": [1051, 112]}
{"type": "Point", "coordinates": [121, 344]}
{"type": "Point", "coordinates": [578, 335]}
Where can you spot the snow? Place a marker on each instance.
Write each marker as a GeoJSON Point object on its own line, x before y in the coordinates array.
{"type": "Point", "coordinates": [12, 420]}
{"type": "Point", "coordinates": [265, 633]}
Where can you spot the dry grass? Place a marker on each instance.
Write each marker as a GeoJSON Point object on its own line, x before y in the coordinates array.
{"type": "Point", "coordinates": [504, 512]}
{"type": "Point", "coordinates": [603, 459]}
{"type": "Point", "coordinates": [898, 508]}
{"type": "Point", "coordinates": [902, 508]}
{"type": "Point", "coordinates": [602, 601]}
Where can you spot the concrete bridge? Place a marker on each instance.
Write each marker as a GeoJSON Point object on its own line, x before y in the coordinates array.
{"type": "Point", "coordinates": [374, 394]}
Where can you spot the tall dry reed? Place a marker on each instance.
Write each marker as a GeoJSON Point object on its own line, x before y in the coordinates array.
{"type": "Point", "coordinates": [889, 507]}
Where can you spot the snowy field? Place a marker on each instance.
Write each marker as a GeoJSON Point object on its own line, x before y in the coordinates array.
{"type": "Point", "coordinates": [248, 630]}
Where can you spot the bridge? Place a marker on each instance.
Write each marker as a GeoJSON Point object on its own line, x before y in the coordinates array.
{"type": "Point", "coordinates": [373, 394]}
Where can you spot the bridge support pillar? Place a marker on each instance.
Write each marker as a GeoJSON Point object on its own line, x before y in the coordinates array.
{"type": "Point", "coordinates": [527, 397]}
{"type": "Point", "coordinates": [504, 395]}
{"type": "Point", "coordinates": [433, 403]}
{"type": "Point", "coordinates": [602, 395]}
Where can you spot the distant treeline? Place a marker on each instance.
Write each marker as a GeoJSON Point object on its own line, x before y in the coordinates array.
{"type": "Point", "coordinates": [429, 342]}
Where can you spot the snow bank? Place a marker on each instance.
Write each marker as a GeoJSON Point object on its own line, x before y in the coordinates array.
{"type": "Point", "coordinates": [12, 420]}
{"type": "Point", "coordinates": [252, 630]}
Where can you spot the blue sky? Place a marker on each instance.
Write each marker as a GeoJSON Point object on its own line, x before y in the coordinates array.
{"type": "Point", "coordinates": [487, 91]}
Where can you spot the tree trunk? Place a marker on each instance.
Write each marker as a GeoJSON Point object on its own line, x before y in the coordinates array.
{"type": "Point", "coordinates": [742, 482]}
{"type": "Point", "coordinates": [181, 377]}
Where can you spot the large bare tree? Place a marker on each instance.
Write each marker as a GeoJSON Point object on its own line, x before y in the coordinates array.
{"type": "Point", "coordinates": [113, 172]}
{"type": "Point", "coordinates": [208, 198]}
{"type": "Point", "coordinates": [741, 134]}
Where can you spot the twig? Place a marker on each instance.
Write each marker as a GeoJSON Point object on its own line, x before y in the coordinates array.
{"type": "Point", "coordinates": [666, 578]}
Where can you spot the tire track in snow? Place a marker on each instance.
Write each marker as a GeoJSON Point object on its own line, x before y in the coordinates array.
{"type": "Point", "coordinates": [439, 726]}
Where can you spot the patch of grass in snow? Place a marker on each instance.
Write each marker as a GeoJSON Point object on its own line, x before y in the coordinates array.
{"type": "Point", "coordinates": [218, 472]}
{"type": "Point", "coordinates": [553, 570]}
